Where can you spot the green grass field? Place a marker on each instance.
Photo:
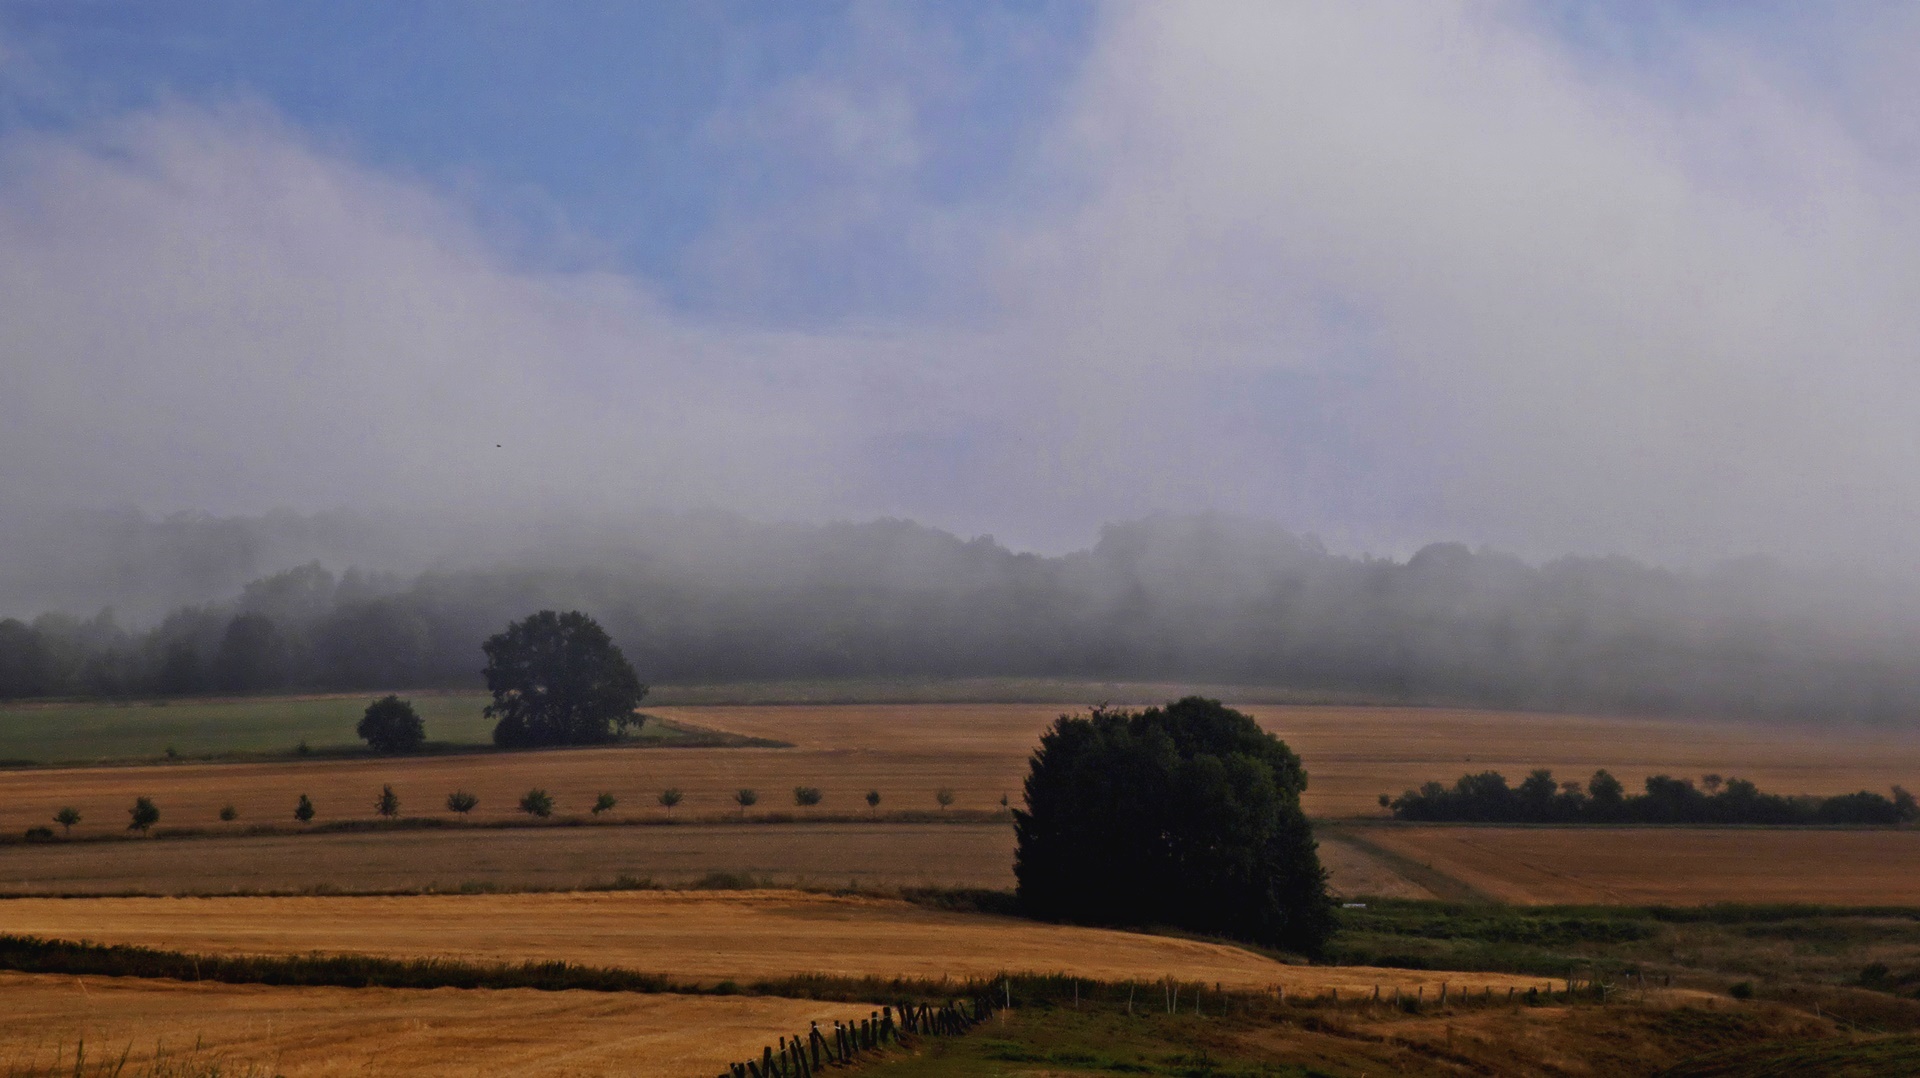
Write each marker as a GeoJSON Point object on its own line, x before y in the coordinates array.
{"type": "Point", "coordinates": [99, 730]}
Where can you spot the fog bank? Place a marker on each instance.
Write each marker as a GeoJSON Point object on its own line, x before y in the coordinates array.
{"type": "Point", "coordinates": [713, 597]}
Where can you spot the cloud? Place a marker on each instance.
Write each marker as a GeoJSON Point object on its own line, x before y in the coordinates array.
{"type": "Point", "coordinates": [1387, 272]}
{"type": "Point", "coordinates": [1534, 300]}
{"type": "Point", "coordinates": [202, 310]}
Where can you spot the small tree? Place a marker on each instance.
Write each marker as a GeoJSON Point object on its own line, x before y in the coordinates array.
{"type": "Point", "coordinates": [461, 801]}
{"type": "Point", "coordinates": [304, 810]}
{"type": "Point", "coordinates": [944, 795]}
{"type": "Point", "coordinates": [745, 798]}
{"type": "Point", "coordinates": [873, 801]}
{"type": "Point", "coordinates": [1712, 783]}
{"type": "Point", "coordinates": [806, 796]}
{"type": "Point", "coordinates": [669, 797]}
{"type": "Point", "coordinates": [537, 803]}
{"type": "Point", "coordinates": [604, 803]}
{"type": "Point", "coordinates": [144, 815]}
{"type": "Point", "coordinates": [389, 803]}
{"type": "Point", "coordinates": [390, 725]}
{"type": "Point", "coordinates": [228, 814]}
{"type": "Point", "coordinates": [67, 817]}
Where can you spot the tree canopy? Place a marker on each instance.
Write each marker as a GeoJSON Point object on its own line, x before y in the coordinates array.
{"type": "Point", "coordinates": [390, 725]}
{"type": "Point", "coordinates": [1486, 798]}
{"type": "Point", "coordinates": [1187, 815]}
{"type": "Point", "coordinates": [558, 679]}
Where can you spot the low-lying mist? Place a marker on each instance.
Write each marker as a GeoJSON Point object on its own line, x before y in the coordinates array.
{"type": "Point", "coordinates": [196, 606]}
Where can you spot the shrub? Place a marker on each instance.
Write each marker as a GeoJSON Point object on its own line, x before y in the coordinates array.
{"type": "Point", "coordinates": [1743, 990]}
{"type": "Point", "coordinates": [944, 795]}
{"type": "Point", "coordinates": [144, 815]}
{"type": "Point", "coordinates": [745, 798]}
{"type": "Point", "coordinates": [228, 814]}
{"type": "Point", "coordinates": [873, 800]}
{"type": "Point", "coordinates": [806, 796]}
{"type": "Point", "coordinates": [389, 803]}
{"type": "Point", "coordinates": [390, 725]}
{"type": "Point", "coordinates": [604, 803]}
{"type": "Point", "coordinates": [67, 817]}
{"type": "Point", "coordinates": [461, 801]}
{"type": "Point", "coordinates": [537, 802]}
{"type": "Point", "coordinates": [669, 797]}
{"type": "Point", "coordinates": [304, 810]}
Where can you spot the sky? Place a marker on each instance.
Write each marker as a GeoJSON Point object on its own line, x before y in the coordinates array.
{"type": "Point", "coordinates": [1633, 278]}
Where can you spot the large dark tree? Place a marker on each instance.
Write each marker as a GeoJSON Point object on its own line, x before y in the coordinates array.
{"type": "Point", "coordinates": [391, 725]}
{"type": "Point", "coordinates": [1187, 815]}
{"type": "Point", "coordinates": [558, 679]}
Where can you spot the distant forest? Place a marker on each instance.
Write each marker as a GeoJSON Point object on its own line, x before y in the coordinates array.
{"type": "Point", "coordinates": [710, 597]}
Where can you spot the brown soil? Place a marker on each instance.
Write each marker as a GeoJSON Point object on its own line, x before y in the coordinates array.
{"type": "Point", "coordinates": [1670, 866]}
{"type": "Point", "coordinates": [316, 1032]}
{"type": "Point", "coordinates": [710, 936]}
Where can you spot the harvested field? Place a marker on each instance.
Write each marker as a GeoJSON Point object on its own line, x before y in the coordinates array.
{"type": "Point", "coordinates": [699, 936]}
{"type": "Point", "coordinates": [316, 1032]}
{"type": "Point", "coordinates": [1668, 866]}
{"type": "Point", "coordinates": [865, 856]}
{"type": "Point", "coordinates": [1353, 754]}
{"type": "Point", "coordinates": [883, 855]}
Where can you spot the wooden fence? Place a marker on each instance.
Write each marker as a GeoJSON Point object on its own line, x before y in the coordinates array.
{"type": "Point", "coordinates": [803, 1057]}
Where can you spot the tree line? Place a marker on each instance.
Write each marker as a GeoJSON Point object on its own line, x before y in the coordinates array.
{"type": "Point", "coordinates": [536, 802]}
{"type": "Point", "coordinates": [1486, 798]}
{"type": "Point", "coordinates": [1203, 599]}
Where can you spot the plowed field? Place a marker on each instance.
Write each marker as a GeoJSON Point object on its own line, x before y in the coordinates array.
{"type": "Point", "coordinates": [699, 936]}
{"type": "Point", "coordinates": [1668, 866]}
{"type": "Point", "coordinates": [326, 1032]}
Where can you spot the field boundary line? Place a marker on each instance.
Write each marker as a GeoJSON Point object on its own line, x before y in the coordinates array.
{"type": "Point", "coordinates": [1441, 885]}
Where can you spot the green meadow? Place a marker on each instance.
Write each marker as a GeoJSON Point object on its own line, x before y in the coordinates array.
{"type": "Point", "coordinates": [139, 730]}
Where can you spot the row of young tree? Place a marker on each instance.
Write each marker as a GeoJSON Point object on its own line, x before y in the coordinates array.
{"type": "Point", "coordinates": [536, 802]}
{"type": "Point", "coordinates": [1203, 599]}
{"type": "Point", "coordinates": [1487, 798]}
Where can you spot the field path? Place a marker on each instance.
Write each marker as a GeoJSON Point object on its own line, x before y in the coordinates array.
{"type": "Point", "coordinates": [707, 936]}
{"type": "Point", "coordinates": [438, 1033]}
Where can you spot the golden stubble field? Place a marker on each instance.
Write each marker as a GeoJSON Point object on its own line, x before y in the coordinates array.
{"type": "Point", "coordinates": [699, 936]}
{"type": "Point", "coordinates": [1667, 866]}
{"type": "Point", "coordinates": [906, 752]}
{"type": "Point", "coordinates": [438, 1033]}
